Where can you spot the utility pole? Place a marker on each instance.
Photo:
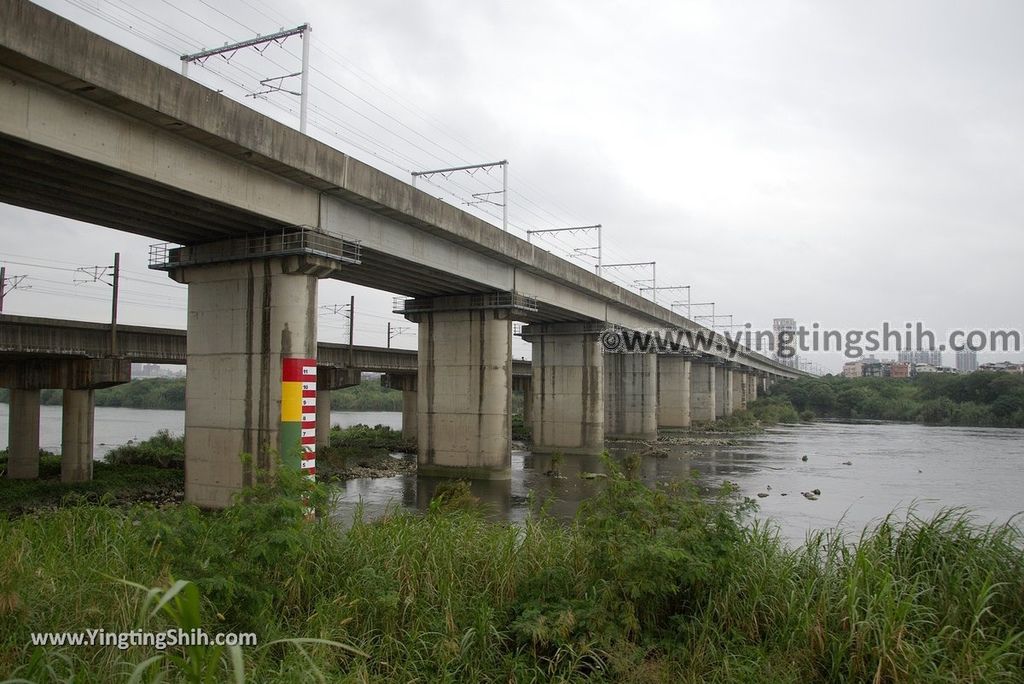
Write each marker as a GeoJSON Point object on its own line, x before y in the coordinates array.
{"type": "Point", "coordinates": [395, 332]}
{"type": "Point", "coordinates": [98, 274]}
{"type": "Point", "coordinates": [351, 328]}
{"type": "Point", "coordinates": [113, 304]}
{"type": "Point", "coordinates": [274, 84]}
{"type": "Point", "coordinates": [9, 285]}
{"type": "Point", "coordinates": [478, 197]}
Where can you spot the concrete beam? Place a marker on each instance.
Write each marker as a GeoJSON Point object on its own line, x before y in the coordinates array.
{"type": "Point", "coordinates": [67, 373]}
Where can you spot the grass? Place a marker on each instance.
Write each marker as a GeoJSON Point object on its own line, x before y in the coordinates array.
{"type": "Point", "coordinates": [647, 585]}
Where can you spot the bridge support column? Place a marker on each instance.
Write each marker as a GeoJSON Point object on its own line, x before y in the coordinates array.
{"type": "Point", "coordinates": [568, 410]}
{"type": "Point", "coordinates": [323, 418]}
{"type": "Point", "coordinates": [631, 396]}
{"type": "Point", "coordinates": [673, 391]}
{"type": "Point", "coordinates": [752, 382]}
{"type": "Point", "coordinates": [702, 392]}
{"type": "Point", "coordinates": [244, 317]}
{"type": "Point", "coordinates": [77, 435]}
{"type": "Point", "coordinates": [739, 391]}
{"type": "Point", "coordinates": [723, 392]}
{"type": "Point", "coordinates": [410, 415]}
{"type": "Point", "coordinates": [23, 435]}
{"type": "Point", "coordinates": [464, 385]}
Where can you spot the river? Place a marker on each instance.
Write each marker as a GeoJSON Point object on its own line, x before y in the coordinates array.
{"type": "Point", "coordinates": [891, 467]}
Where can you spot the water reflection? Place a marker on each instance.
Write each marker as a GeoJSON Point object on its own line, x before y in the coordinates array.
{"type": "Point", "coordinates": [891, 467]}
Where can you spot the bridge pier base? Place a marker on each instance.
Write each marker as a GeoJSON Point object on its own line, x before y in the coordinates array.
{"type": "Point", "coordinates": [566, 389]}
{"type": "Point", "coordinates": [673, 391]}
{"type": "Point", "coordinates": [464, 383]}
{"type": "Point", "coordinates": [244, 317]}
{"type": "Point", "coordinates": [631, 396]}
{"type": "Point", "coordinates": [702, 392]}
{"type": "Point", "coordinates": [23, 435]}
{"type": "Point", "coordinates": [77, 430]}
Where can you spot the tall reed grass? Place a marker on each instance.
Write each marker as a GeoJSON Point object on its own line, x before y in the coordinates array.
{"type": "Point", "coordinates": [647, 585]}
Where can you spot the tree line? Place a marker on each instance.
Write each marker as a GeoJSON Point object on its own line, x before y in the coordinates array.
{"type": "Point", "coordinates": [982, 399]}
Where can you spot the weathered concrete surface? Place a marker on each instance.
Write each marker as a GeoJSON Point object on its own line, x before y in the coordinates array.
{"type": "Point", "coordinates": [673, 391]}
{"type": "Point", "coordinates": [739, 391]}
{"type": "Point", "coordinates": [77, 430]}
{"type": "Point", "coordinates": [244, 318]}
{"type": "Point", "coordinates": [568, 389]}
{"type": "Point", "coordinates": [23, 435]}
{"type": "Point", "coordinates": [631, 396]}
{"type": "Point", "coordinates": [465, 394]}
{"type": "Point", "coordinates": [323, 418]}
{"type": "Point", "coordinates": [410, 415]}
{"type": "Point", "coordinates": [723, 392]}
{"type": "Point", "coordinates": [702, 392]}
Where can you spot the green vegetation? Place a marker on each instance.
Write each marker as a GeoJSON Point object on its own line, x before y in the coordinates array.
{"type": "Point", "coordinates": [110, 484]}
{"type": "Point", "coordinates": [368, 396]}
{"type": "Point", "coordinates": [161, 450]}
{"type": "Point", "coordinates": [647, 586]}
{"type": "Point", "coordinates": [975, 399]}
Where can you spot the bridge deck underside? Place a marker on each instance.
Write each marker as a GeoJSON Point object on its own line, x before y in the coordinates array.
{"type": "Point", "coordinates": [45, 181]}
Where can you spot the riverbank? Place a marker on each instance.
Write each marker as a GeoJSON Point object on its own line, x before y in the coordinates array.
{"type": "Point", "coordinates": [114, 485]}
{"type": "Point", "coordinates": [646, 586]}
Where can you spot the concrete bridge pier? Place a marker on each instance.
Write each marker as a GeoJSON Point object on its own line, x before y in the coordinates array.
{"type": "Point", "coordinates": [23, 435]}
{"type": "Point", "coordinates": [631, 396]}
{"type": "Point", "coordinates": [674, 373]}
{"type": "Point", "coordinates": [464, 384]}
{"type": "Point", "coordinates": [77, 377]}
{"type": "Point", "coordinates": [410, 401]}
{"type": "Point", "coordinates": [567, 388]}
{"type": "Point", "coordinates": [244, 318]}
{"type": "Point", "coordinates": [77, 429]}
{"type": "Point", "coordinates": [739, 391]}
{"type": "Point", "coordinates": [723, 391]}
{"type": "Point", "coordinates": [702, 392]}
{"type": "Point", "coordinates": [524, 385]}
{"type": "Point", "coordinates": [753, 380]}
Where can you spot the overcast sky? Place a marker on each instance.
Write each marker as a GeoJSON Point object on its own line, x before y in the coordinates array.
{"type": "Point", "coordinates": [845, 163]}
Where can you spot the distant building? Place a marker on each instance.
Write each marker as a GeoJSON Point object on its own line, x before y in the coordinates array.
{"type": "Point", "coordinates": [1003, 367]}
{"type": "Point", "coordinates": [915, 356]}
{"type": "Point", "coordinates": [785, 329]}
{"type": "Point", "coordinates": [853, 369]}
{"type": "Point", "coordinates": [967, 361]}
{"type": "Point", "coordinates": [900, 369]}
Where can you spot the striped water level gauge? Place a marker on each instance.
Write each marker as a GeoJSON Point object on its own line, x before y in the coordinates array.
{"type": "Point", "coordinates": [298, 415]}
